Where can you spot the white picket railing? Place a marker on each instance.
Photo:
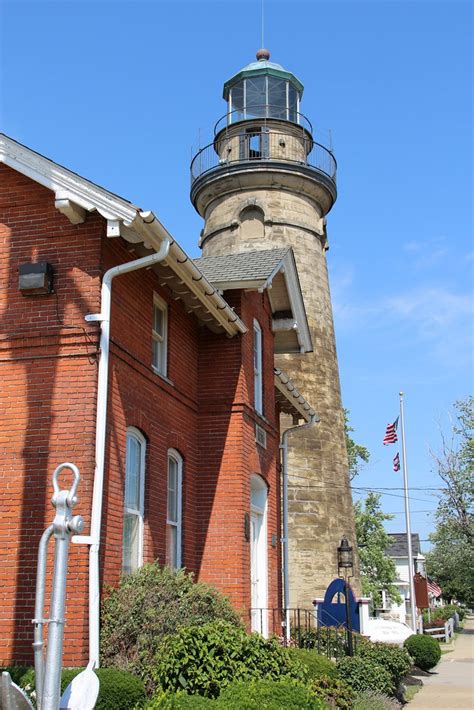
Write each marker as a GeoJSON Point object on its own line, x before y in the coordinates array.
{"type": "Point", "coordinates": [443, 633]}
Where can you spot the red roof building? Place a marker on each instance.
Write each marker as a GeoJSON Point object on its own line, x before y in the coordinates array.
{"type": "Point", "coordinates": [190, 452]}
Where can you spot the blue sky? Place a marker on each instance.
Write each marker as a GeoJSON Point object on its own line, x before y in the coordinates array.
{"type": "Point", "coordinates": [121, 91]}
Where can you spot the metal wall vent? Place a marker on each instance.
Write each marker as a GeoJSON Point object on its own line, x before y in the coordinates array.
{"type": "Point", "coordinates": [260, 436]}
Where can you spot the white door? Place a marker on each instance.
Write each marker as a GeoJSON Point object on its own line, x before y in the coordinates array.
{"type": "Point", "coordinates": [258, 573]}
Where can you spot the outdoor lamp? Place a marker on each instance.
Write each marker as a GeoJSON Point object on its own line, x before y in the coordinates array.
{"type": "Point", "coordinates": [346, 562]}
{"type": "Point", "coordinates": [344, 555]}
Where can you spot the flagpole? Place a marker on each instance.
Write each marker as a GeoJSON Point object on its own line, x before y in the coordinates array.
{"type": "Point", "coordinates": [407, 520]}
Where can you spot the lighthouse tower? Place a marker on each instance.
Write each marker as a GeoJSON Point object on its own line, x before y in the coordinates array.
{"type": "Point", "coordinates": [267, 181]}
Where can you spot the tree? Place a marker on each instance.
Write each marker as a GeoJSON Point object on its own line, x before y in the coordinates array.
{"type": "Point", "coordinates": [377, 571]}
{"type": "Point", "coordinates": [451, 561]}
{"type": "Point", "coordinates": [356, 454]}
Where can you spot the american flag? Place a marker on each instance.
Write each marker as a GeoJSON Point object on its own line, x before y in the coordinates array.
{"type": "Point", "coordinates": [391, 433]}
{"type": "Point", "coordinates": [434, 589]}
{"type": "Point", "coordinates": [396, 463]}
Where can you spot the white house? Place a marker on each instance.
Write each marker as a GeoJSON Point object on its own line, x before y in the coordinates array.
{"type": "Point", "coordinates": [398, 551]}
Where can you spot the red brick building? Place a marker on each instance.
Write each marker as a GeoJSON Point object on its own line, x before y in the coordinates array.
{"type": "Point", "coordinates": [191, 456]}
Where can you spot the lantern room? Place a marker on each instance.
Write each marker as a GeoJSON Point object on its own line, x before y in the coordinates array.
{"type": "Point", "coordinates": [263, 89]}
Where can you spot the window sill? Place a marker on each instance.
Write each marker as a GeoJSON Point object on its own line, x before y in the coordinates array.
{"type": "Point", "coordinates": [262, 417]}
{"type": "Point", "coordinates": [162, 376]}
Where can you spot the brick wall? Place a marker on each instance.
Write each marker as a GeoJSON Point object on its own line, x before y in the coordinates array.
{"type": "Point", "coordinates": [165, 411]}
{"type": "Point", "coordinates": [230, 455]}
{"type": "Point", "coordinates": [47, 399]}
{"type": "Point", "coordinates": [204, 410]}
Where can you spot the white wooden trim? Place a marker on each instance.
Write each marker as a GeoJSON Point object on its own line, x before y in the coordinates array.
{"type": "Point", "coordinates": [76, 196]}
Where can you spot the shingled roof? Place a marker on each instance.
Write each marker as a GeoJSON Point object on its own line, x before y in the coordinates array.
{"type": "Point", "coordinates": [248, 266]}
{"type": "Point", "coordinates": [273, 270]}
{"type": "Point", "coordinates": [398, 546]}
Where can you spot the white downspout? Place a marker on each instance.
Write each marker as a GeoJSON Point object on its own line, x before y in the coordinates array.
{"type": "Point", "coordinates": [101, 420]}
{"type": "Point", "coordinates": [284, 463]}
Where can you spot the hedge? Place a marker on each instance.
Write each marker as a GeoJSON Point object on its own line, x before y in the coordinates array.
{"type": "Point", "coordinates": [333, 691]}
{"type": "Point", "coordinates": [394, 659]}
{"type": "Point", "coordinates": [205, 659]}
{"type": "Point", "coordinates": [270, 695]}
{"type": "Point", "coordinates": [149, 605]}
{"type": "Point", "coordinates": [424, 650]}
{"type": "Point", "coordinates": [178, 701]}
{"type": "Point", "coordinates": [118, 690]}
{"type": "Point", "coordinates": [363, 674]}
{"type": "Point", "coordinates": [317, 665]}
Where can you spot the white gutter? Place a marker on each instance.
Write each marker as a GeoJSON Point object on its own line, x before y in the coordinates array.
{"type": "Point", "coordinates": [285, 557]}
{"type": "Point", "coordinates": [152, 232]}
{"type": "Point", "coordinates": [93, 540]}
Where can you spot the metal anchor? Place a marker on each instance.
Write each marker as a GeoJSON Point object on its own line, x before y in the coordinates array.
{"type": "Point", "coordinates": [48, 675]}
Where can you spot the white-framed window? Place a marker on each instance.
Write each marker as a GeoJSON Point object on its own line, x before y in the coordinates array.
{"type": "Point", "coordinates": [174, 509]}
{"type": "Point", "coordinates": [257, 367]}
{"type": "Point", "coordinates": [159, 335]}
{"type": "Point", "coordinates": [134, 498]}
{"type": "Point", "coordinates": [258, 555]}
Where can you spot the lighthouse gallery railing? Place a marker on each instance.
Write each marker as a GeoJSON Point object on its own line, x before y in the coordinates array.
{"type": "Point", "coordinates": [263, 147]}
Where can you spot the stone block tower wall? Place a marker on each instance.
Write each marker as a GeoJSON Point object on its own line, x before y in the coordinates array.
{"type": "Point", "coordinates": [266, 201]}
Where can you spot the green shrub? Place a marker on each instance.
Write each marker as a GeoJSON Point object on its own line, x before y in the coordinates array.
{"type": "Point", "coordinates": [334, 692]}
{"type": "Point", "coordinates": [249, 695]}
{"type": "Point", "coordinates": [178, 701]}
{"type": "Point", "coordinates": [443, 613]}
{"type": "Point", "coordinates": [118, 690]}
{"type": "Point", "coordinates": [268, 695]}
{"type": "Point", "coordinates": [150, 604]}
{"type": "Point", "coordinates": [394, 659]}
{"type": "Point", "coordinates": [16, 672]}
{"type": "Point", "coordinates": [371, 700]}
{"type": "Point", "coordinates": [363, 674]}
{"type": "Point", "coordinates": [205, 659]}
{"type": "Point", "coordinates": [316, 664]}
{"type": "Point", "coordinates": [440, 616]}
{"type": "Point", "coordinates": [424, 650]}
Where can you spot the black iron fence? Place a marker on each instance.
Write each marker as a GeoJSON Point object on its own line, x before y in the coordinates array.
{"type": "Point", "coordinates": [264, 146]}
{"type": "Point", "coordinates": [263, 111]}
{"type": "Point", "coordinates": [304, 632]}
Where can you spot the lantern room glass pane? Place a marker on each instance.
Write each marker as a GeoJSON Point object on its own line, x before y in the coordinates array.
{"type": "Point", "coordinates": [277, 97]}
{"type": "Point", "coordinates": [293, 103]}
{"type": "Point", "coordinates": [256, 96]}
{"type": "Point", "coordinates": [237, 103]}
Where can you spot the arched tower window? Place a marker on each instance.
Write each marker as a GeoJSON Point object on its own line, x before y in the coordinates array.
{"type": "Point", "coordinates": [134, 501]}
{"type": "Point", "coordinates": [251, 223]}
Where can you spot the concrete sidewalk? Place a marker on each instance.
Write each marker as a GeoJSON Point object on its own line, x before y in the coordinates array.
{"type": "Point", "coordinates": [451, 685]}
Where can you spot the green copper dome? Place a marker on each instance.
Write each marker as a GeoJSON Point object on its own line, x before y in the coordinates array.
{"type": "Point", "coordinates": [262, 67]}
